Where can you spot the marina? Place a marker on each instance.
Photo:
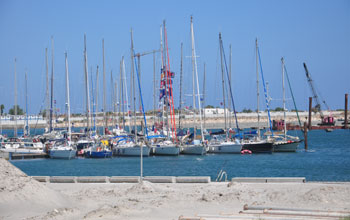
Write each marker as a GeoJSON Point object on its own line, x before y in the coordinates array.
{"type": "Point", "coordinates": [151, 110]}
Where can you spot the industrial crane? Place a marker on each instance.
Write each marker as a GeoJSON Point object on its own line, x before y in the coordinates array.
{"type": "Point", "coordinates": [328, 120]}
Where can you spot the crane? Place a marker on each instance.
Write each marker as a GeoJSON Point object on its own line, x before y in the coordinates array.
{"type": "Point", "coordinates": [329, 120]}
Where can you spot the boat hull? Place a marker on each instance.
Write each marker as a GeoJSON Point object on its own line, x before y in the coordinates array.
{"type": "Point", "coordinates": [225, 148]}
{"type": "Point", "coordinates": [286, 146]}
{"type": "Point", "coordinates": [166, 150]}
{"type": "Point", "coordinates": [260, 147]}
{"type": "Point", "coordinates": [98, 154]}
{"type": "Point", "coordinates": [132, 151]}
{"type": "Point", "coordinates": [193, 150]}
{"type": "Point", "coordinates": [62, 154]}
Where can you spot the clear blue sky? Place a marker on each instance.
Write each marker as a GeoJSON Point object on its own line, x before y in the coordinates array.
{"type": "Point", "coordinates": [314, 31]}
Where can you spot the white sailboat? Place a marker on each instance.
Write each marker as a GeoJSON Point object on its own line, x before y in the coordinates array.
{"type": "Point", "coordinates": [285, 143]}
{"type": "Point", "coordinates": [224, 145]}
{"type": "Point", "coordinates": [197, 146]}
{"type": "Point", "coordinates": [125, 146]}
{"type": "Point", "coordinates": [64, 149]}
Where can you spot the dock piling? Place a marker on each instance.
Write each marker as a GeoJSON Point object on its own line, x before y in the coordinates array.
{"type": "Point", "coordinates": [305, 135]}
{"type": "Point", "coordinates": [310, 111]}
{"type": "Point", "coordinates": [346, 112]}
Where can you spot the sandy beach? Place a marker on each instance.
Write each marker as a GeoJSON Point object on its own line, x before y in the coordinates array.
{"type": "Point", "coordinates": [22, 197]}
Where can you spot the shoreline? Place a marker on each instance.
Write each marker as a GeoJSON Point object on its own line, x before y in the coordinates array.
{"type": "Point", "coordinates": [245, 120]}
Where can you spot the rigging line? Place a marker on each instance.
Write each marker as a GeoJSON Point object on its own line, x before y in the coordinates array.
{"type": "Point", "coordinates": [291, 92]}
{"type": "Point", "coordinates": [143, 110]}
{"type": "Point", "coordinates": [265, 93]}
{"type": "Point", "coordinates": [233, 103]}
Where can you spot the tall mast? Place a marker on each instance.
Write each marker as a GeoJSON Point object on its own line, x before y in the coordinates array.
{"type": "Point", "coordinates": [165, 69]}
{"type": "Point", "coordinates": [52, 69]}
{"type": "Point", "coordinates": [112, 97]}
{"type": "Point", "coordinates": [162, 67]}
{"type": "Point", "coordinates": [284, 100]}
{"type": "Point", "coordinates": [120, 102]}
{"type": "Point", "coordinates": [257, 85]}
{"type": "Point", "coordinates": [180, 104]}
{"type": "Point", "coordinates": [87, 88]}
{"type": "Point", "coordinates": [67, 98]}
{"type": "Point", "coordinates": [196, 72]}
{"type": "Point", "coordinates": [15, 106]}
{"type": "Point", "coordinates": [193, 81]}
{"type": "Point", "coordinates": [47, 94]}
{"type": "Point", "coordinates": [116, 101]}
{"type": "Point", "coordinates": [223, 83]}
{"type": "Point", "coordinates": [203, 101]}
{"type": "Point", "coordinates": [133, 83]}
{"type": "Point", "coordinates": [96, 92]}
{"type": "Point", "coordinates": [104, 88]}
{"type": "Point", "coordinates": [229, 99]}
{"type": "Point", "coordinates": [154, 88]}
{"type": "Point", "coordinates": [124, 87]}
{"type": "Point", "coordinates": [27, 123]}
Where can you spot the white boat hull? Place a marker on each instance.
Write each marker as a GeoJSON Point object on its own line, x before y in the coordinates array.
{"type": "Point", "coordinates": [132, 151]}
{"type": "Point", "coordinates": [21, 150]}
{"type": "Point", "coordinates": [166, 150]}
{"type": "Point", "coordinates": [286, 147]}
{"type": "Point", "coordinates": [63, 154]}
{"type": "Point", "coordinates": [225, 148]}
{"type": "Point", "coordinates": [194, 149]}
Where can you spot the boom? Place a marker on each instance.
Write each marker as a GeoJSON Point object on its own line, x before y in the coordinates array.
{"type": "Point", "coordinates": [313, 90]}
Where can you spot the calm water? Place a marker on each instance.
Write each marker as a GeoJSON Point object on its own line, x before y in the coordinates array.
{"type": "Point", "coordinates": [328, 159]}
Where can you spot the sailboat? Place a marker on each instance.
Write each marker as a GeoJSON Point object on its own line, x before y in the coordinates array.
{"type": "Point", "coordinates": [63, 149]}
{"type": "Point", "coordinates": [217, 145]}
{"type": "Point", "coordinates": [256, 144]}
{"type": "Point", "coordinates": [166, 145]}
{"type": "Point", "coordinates": [127, 146]}
{"type": "Point", "coordinates": [285, 143]}
{"type": "Point", "coordinates": [197, 147]}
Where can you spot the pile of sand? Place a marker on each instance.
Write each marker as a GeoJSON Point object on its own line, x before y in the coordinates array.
{"type": "Point", "coordinates": [21, 194]}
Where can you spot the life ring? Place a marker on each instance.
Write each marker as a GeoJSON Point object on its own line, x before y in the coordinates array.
{"type": "Point", "coordinates": [246, 152]}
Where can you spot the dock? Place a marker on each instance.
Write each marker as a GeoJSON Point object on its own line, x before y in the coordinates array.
{"type": "Point", "coordinates": [22, 156]}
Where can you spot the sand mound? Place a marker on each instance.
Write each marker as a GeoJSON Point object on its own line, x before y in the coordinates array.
{"type": "Point", "coordinates": [17, 190]}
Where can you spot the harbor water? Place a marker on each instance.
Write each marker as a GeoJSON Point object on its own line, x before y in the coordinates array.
{"type": "Point", "coordinates": [328, 159]}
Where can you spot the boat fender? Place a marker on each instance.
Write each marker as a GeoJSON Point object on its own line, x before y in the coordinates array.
{"type": "Point", "coordinates": [246, 152]}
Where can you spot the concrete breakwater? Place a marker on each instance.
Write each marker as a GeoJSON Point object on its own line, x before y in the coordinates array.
{"type": "Point", "coordinates": [212, 121]}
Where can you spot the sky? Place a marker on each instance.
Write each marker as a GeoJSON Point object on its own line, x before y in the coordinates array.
{"type": "Point", "coordinates": [315, 31]}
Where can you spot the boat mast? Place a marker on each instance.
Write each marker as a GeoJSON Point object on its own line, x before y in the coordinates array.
{"type": "Point", "coordinates": [162, 67]}
{"type": "Point", "coordinates": [196, 72]}
{"type": "Point", "coordinates": [96, 97]}
{"type": "Point", "coordinates": [133, 83]}
{"type": "Point", "coordinates": [165, 69]}
{"type": "Point", "coordinates": [154, 88]}
{"type": "Point", "coordinates": [223, 83]}
{"type": "Point", "coordinates": [203, 101]}
{"type": "Point", "coordinates": [27, 123]}
{"type": "Point", "coordinates": [15, 106]}
{"type": "Point", "coordinates": [180, 104]}
{"type": "Point", "coordinates": [47, 98]}
{"type": "Point", "coordinates": [257, 85]}
{"type": "Point", "coordinates": [284, 100]}
{"type": "Point", "coordinates": [68, 99]}
{"type": "Point", "coordinates": [112, 97]}
{"type": "Point", "coordinates": [104, 88]}
{"type": "Point", "coordinates": [87, 88]}
{"type": "Point", "coordinates": [52, 71]}
{"type": "Point", "coordinates": [193, 82]}
{"type": "Point", "coordinates": [229, 100]}
{"type": "Point", "coordinates": [120, 95]}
